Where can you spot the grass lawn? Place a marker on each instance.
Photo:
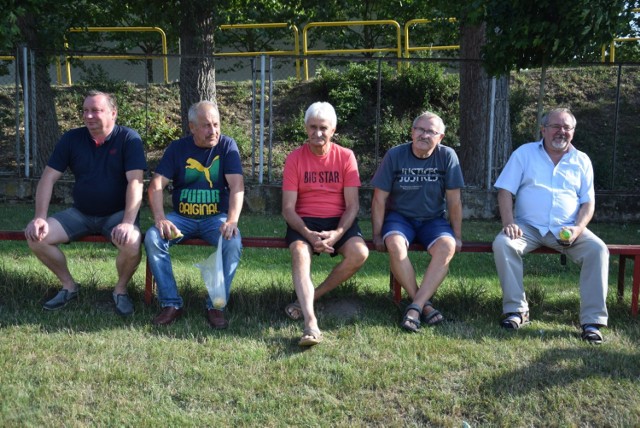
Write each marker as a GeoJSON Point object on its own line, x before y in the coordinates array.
{"type": "Point", "coordinates": [85, 366]}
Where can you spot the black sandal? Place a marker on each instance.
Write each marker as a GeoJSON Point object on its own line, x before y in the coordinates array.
{"type": "Point", "coordinates": [428, 319]}
{"type": "Point", "coordinates": [409, 323]}
{"type": "Point", "coordinates": [515, 320]}
{"type": "Point", "coordinates": [591, 334]}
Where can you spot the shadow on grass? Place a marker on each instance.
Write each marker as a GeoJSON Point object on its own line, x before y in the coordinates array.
{"type": "Point", "coordinates": [563, 367]}
{"type": "Point", "coordinates": [256, 311]}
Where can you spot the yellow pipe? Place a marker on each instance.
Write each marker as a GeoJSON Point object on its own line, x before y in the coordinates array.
{"type": "Point", "coordinates": [296, 42]}
{"type": "Point", "coordinates": [306, 51]}
{"type": "Point", "coordinates": [115, 30]}
{"type": "Point", "coordinates": [408, 49]}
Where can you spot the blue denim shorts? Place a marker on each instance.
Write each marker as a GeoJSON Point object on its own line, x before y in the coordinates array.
{"type": "Point", "coordinates": [76, 224]}
{"type": "Point", "coordinates": [425, 232]}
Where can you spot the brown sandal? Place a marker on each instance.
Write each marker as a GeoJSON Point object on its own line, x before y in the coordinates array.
{"type": "Point", "coordinates": [294, 311]}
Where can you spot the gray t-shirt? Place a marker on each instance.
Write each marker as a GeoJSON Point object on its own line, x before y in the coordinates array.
{"type": "Point", "coordinates": [417, 186]}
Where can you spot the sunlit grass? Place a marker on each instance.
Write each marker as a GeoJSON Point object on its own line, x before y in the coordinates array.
{"type": "Point", "coordinates": [85, 366]}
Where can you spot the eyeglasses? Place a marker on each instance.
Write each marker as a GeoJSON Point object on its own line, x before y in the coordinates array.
{"type": "Point", "coordinates": [565, 128]}
{"type": "Point", "coordinates": [431, 133]}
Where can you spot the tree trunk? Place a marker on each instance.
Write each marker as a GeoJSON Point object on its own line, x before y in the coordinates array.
{"type": "Point", "coordinates": [481, 158]}
{"type": "Point", "coordinates": [502, 144]}
{"type": "Point", "coordinates": [197, 67]}
{"type": "Point", "coordinates": [46, 131]}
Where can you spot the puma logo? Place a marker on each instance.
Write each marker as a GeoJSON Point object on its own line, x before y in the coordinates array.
{"type": "Point", "coordinates": [194, 164]}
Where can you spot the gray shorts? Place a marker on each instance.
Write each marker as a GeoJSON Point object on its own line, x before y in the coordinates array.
{"type": "Point", "coordinates": [76, 224]}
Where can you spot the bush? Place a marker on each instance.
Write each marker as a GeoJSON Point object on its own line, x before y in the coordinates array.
{"type": "Point", "coordinates": [154, 128]}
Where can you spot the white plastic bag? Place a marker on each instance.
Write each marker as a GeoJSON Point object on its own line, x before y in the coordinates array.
{"type": "Point", "coordinates": [213, 276]}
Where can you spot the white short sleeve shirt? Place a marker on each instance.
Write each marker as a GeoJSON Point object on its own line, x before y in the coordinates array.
{"type": "Point", "coordinates": [548, 196]}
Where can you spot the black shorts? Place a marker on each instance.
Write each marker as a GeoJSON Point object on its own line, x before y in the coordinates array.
{"type": "Point", "coordinates": [320, 224]}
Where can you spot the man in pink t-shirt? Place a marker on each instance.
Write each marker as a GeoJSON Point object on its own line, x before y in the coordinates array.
{"type": "Point", "coordinates": [320, 204]}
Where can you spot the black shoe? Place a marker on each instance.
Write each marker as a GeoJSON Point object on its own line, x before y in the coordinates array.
{"type": "Point", "coordinates": [60, 300]}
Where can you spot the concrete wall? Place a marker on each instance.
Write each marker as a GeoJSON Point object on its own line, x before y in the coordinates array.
{"type": "Point", "coordinates": [267, 199]}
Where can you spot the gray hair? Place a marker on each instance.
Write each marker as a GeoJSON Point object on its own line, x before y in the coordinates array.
{"type": "Point", "coordinates": [545, 118]}
{"type": "Point", "coordinates": [321, 110]}
{"type": "Point", "coordinates": [110, 98]}
{"type": "Point", "coordinates": [195, 108]}
{"type": "Point", "coordinates": [428, 115]}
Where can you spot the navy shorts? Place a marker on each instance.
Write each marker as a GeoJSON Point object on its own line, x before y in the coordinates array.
{"type": "Point", "coordinates": [320, 224]}
{"type": "Point", "coordinates": [76, 224]}
{"type": "Point", "coordinates": [425, 232]}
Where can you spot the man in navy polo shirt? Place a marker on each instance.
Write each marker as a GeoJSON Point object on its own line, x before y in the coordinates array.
{"type": "Point", "coordinates": [108, 163]}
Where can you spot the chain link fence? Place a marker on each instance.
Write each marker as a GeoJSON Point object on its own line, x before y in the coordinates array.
{"type": "Point", "coordinates": [262, 102]}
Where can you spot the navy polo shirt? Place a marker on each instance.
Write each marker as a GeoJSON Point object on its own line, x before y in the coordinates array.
{"type": "Point", "coordinates": [100, 171]}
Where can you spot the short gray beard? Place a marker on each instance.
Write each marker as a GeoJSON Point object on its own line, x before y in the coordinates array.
{"type": "Point", "coordinates": [560, 146]}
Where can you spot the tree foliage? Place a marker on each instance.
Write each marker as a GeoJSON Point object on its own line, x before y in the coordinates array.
{"type": "Point", "coordinates": [545, 32]}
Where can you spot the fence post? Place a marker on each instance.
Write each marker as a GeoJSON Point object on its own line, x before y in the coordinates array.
{"type": "Point", "coordinates": [25, 97]}
{"type": "Point", "coordinates": [615, 129]}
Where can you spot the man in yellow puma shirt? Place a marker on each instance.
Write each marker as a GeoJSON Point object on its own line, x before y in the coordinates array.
{"type": "Point", "coordinates": [208, 191]}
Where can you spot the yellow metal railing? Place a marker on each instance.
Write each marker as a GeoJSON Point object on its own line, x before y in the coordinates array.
{"type": "Point", "coordinates": [407, 46]}
{"type": "Point", "coordinates": [296, 41]}
{"type": "Point", "coordinates": [7, 58]}
{"type": "Point", "coordinates": [306, 51]}
{"type": "Point", "coordinates": [612, 46]}
{"type": "Point", "coordinates": [104, 57]}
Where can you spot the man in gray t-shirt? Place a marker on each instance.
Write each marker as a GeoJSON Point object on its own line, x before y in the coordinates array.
{"type": "Point", "coordinates": [416, 185]}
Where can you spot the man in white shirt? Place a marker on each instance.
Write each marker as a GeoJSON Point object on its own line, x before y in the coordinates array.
{"type": "Point", "coordinates": [554, 201]}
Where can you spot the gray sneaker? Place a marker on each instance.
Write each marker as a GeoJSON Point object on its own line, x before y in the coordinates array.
{"type": "Point", "coordinates": [124, 305]}
{"type": "Point", "coordinates": [60, 300]}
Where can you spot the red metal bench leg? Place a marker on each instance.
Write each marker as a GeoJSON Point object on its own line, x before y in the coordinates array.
{"type": "Point", "coordinates": [148, 284]}
{"type": "Point", "coordinates": [636, 286]}
{"type": "Point", "coordinates": [621, 271]}
{"type": "Point", "coordinates": [396, 289]}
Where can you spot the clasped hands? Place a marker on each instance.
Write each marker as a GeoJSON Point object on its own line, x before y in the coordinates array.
{"type": "Point", "coordinates": [322, 242]}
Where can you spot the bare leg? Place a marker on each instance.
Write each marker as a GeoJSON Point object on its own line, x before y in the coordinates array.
{"type": "Point", "coordinates": [48, 252]}
{"type": "Point", "coordinates": [402, 268]}
{"type": "Point", "coordinates": [354, 253]}
{"type": "Point", "coordinates": [441, 252]}
{"type": "Point", "coordinates": [301, 254]}
{"type": "Point", "coordinates": [400, 264]}
{"type": "Point", "coordinates": [127, 262]}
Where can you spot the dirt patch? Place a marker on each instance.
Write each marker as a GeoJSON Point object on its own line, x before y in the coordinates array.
{"type": "Point", "coordinates": [345, 309]}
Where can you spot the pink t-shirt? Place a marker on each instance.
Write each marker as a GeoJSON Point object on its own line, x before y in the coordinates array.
{"type": "Point", "coordinates": [320, 180]}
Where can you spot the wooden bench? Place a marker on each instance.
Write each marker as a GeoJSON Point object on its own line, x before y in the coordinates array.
{"type": "Point", "coordinates": [623, 252]}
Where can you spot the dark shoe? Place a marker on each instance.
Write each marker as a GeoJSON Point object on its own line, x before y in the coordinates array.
{"type": "Point", "coordinates": [167, 315]}
{"type": "Point", "coordinates": [60, 300]}
{"type": "Point", "coordinates": [410, 323]}
{"type": "Point", "coordinates": [216, 319]}
{"type": "Point", "coordinates": [591, 334]}
{"type": "Point", "coordinates": [124, 305]}
{"type": "Point", "coordinates": [515, 320]}
{"type": "Point", "coordinates": [430, 315]}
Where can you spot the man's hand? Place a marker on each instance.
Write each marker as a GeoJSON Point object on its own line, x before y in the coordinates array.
{"type": "Point", "coordinates": [318, 241]}
{"type": "Point", "coordinates": [37, 229]}
{"type": "Point", "coordinates": [378, 242]}
{"type": "Point", "coordinates": [512, 230]}
{"type": "Point", "coordinates": [228, 229]}
{"type": "Point", "coordinates": [167, 229]}
{"type": "Point", "coordinates": [122, 233]}
{"type": "Point", "coordinates": [325, 242]}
